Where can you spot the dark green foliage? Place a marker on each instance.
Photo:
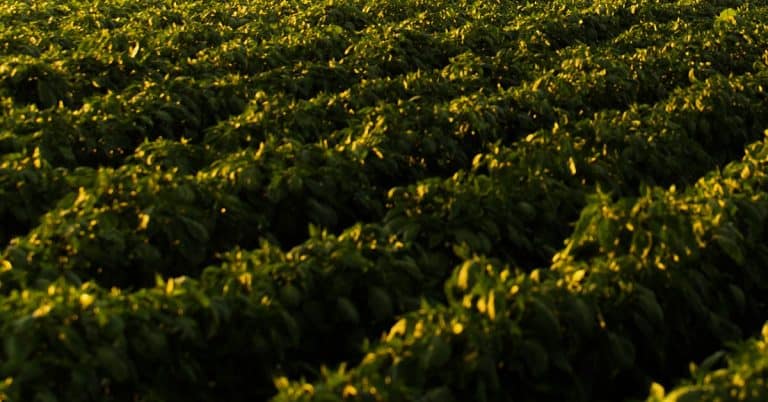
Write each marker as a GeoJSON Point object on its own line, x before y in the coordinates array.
{"type": "Point", "coordinates": [401, 200]}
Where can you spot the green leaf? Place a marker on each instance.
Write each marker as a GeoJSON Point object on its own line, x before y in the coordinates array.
{"type": "Point", "coordinates": [437, 354]}
{"type": "Point", "coordinates": [689, 393]}
{"type": "Point", "coordinates": [290, 295]}
{"type": "Point", "coordinates": [347, 310]}
{"type": "Point", "coordinates": [606, 233]}
{"type": "Point", "coordinates": [380, 303]}
{"type": "Point", "coordinates": [727, 16]}
{"type": "Point", "coordinates": [535, 357]}
{"type": "Point", "coordinates": [646, 301]}
{"type": "Point", "coordinates": [114, 363]}
{"type": "Point", "coordinates": [730, 246]}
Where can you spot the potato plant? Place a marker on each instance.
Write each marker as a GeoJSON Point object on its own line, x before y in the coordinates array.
{"type": "Point", "coordinates": [400, 200]}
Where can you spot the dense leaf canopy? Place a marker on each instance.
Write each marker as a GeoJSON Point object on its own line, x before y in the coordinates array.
{"type": "Point", "coordinates": [383, 200]}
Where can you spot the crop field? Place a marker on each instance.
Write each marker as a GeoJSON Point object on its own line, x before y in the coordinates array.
{"type": "Point", "coordinates": [383, 200]}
